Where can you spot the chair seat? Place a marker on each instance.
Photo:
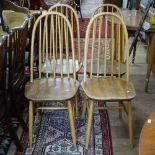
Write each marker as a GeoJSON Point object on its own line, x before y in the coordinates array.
{"type": "Point", "coordinates": [78, 65]}
{"type": "Point", "coordinates": [108, 68]}
{"type": "Point", "coordinates": [108, 89]}
{"type": "Point", "coordinates": [50, 89]}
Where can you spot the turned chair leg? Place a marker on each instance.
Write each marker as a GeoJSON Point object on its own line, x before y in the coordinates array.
{"type": "Point", "coordinates": [12, 131]}
{"type": "Point", "coordinates": [71, 120]}
{"type": "Point", "coordinates": [85, 104]}
{"type": "Point", "coordinates": [30, 123]}
{"type": "Point", "coordinates": [18, 113]}
{"type": "Point", "coordinates": [76, 104]}
{"type": "Point", "coordinates": [90, 118]}
{"type": "Point", "coordinates": [130, 124]}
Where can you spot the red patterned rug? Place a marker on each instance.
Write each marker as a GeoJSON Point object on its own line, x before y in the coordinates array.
{"type": "Point", "coordinates": [53, 135]}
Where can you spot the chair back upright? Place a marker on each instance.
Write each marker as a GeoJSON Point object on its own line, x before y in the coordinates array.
{"type": "Point", "coordinates": [16, 48]}
{"type": "Point", "coordinates": [107, 8]}
{"type": "Point", "coordinates": [52, 32]}
{"type": "Point", "coordinates": [72, 16]}
{"type": "Point", "coordinates": [3, 63]}
{"type": "Point", "coordinates": [106, 51]}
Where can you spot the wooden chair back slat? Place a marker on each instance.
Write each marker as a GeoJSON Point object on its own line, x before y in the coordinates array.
{"type": "Point", "coordinates": [72, 16]}
{"type": "Point", "coordinates": [49, 53]}
{"type": "Point", "coordinates": [107, 8]}
{"type": "Point", "coordinates": [3, 63]}
{"type": "Point", "coordinates": [111, 47]}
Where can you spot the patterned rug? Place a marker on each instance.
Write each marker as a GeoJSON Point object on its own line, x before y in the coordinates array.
{"type": "Point", "coordinates": [54, 136]}
{"type": "Point", "coordinates": [5, 139]}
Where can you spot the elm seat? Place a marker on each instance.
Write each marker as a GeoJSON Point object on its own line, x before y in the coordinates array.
{"type": "Point", "coordinates": [51, 89]}
{"type": "Point", "coordinates": [118, 89]}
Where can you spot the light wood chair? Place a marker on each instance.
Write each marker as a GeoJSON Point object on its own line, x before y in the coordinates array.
{"type": "Point", "coordinates": [98, 25]}
{"type": "Point", "coordinates": [107, 87]}
{"type": "Point", "coordinates": [49, 86]}
{"type": "Point", "coordinates": [71, 15]}
{"type": "Point", "coordinates": [107, 8]}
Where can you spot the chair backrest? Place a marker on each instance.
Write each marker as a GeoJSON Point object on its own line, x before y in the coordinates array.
{"type": "Point", "coordinates": [16, 49]}
{"type": "Point", "coordinates": [107, 50]}
{"type": "Point", "coordinates": [108, 8]}
{"type": "Point", "coordinates": [3, 59]}
{"type": "Point", "coordinates": [72, 16]}
{"type": "Point", "coordinates": [51, 32]}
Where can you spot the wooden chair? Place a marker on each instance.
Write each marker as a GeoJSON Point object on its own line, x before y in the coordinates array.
{"type": "Point", "coordinates": [50, 87]}
{"type": "Point", "coordinates": [99, 28]}
{"type": "Point", "coordinates": [16, 52]}
{"type": "Point", "coordinates": [107, 8]}
{"type": "Point", "coordinates": [5, 112]}
{"type": "Point", "coordinates": [107, 87]}
{"type": "Point", "coordinates": [71, 15]}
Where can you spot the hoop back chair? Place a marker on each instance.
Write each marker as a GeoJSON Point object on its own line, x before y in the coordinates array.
{"type": "Point", "coordinates": [5, 113]}
{"type": "Point", "coordinates": [71, 15]}
{"type": "Point", "coordinates": [107, 8]}
{"type": "Point", "coordinates": [16, 59]}
{"type": "Point", "coordinates": [107, 87]}
{"type": "Point", "coordinates": [50, 86]}
{"type": "Point", "coordinates": [99, 31]}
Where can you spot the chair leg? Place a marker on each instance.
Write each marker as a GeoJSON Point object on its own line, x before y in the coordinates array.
{"type": "Point", "coordinates": [10, 127]}
{"type": "Point", "coordinates": [71, 120]}
{"type": "Point", "coordinates": [30, 123]}
{"type": "Point", "coordinates": [13, 134]}
{"type": "Point", "coordinates": [76, 104]}
{"type": "Point", "coordinates": [84, 106]}
{"type": "Point", "coordinates": [120, 110]}
{"type": "Point", "coordinates": [18, 112]}
{"type": "Point", "coordinates": [37, 111]}
{"type": "Point", "coordinates": [134, 52]}
{"type": "Point", "coordinates": [130, 123]}
{"type": "Point", "coordinates": [90, 117]}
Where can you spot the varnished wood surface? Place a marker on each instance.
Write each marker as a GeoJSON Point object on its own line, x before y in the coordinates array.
{"type": "Point", "coordinates": [2, 73]}
{"type": "Point", "coordinates": [8, 5]}
{"type": "Point", "coordinates": [50, 89]}
{"type": "Point", "coordinates": [2, 38]}
{"type": "Point", "coordinates": [147, 137]}
{"type": "Point", "coordinates": [15, 20]}
{"type": "Point", "coordinates": [132, 19]}
{"type": "Point", "coordinates": [108, 89]}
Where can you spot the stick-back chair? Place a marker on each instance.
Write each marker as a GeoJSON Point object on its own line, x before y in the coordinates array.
{"type": "Point", "coordinates": [71, 15]}
{"type": "Point", "coordinates": [49, 86]}
{"type": "Point", "coordinates": [16, 50]}
{"type": "Point", "coordinates": [99, 28]}
{"type": "Point", "coordinates": [107, 8]}
{"type": "Point", "coordinates": [107, 87]}
{"type": "Point", "coordinates": [5, 112]}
